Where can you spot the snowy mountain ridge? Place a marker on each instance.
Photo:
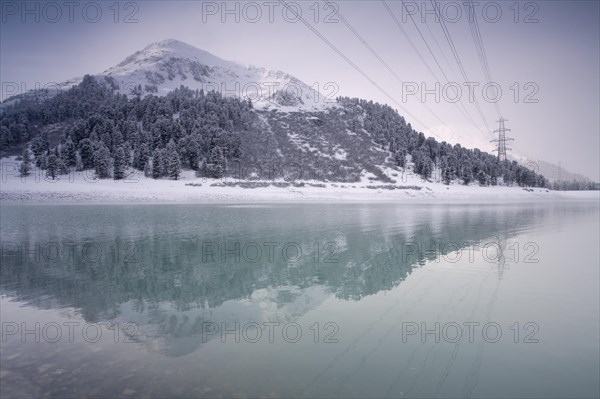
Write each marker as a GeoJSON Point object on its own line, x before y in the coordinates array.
{"type": "Point", "coordinates": [166, 49]}
{"type": "Point", "coordinates": [164, 66]}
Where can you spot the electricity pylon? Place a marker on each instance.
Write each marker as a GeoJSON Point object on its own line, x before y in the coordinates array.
{"type": "Point", "coordinates": [502, 139]}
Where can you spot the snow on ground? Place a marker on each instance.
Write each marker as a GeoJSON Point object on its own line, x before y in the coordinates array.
{"type": "Point", "coordinates": [80, 187]}
{"type": "Point", "coordinates": [340, 154]}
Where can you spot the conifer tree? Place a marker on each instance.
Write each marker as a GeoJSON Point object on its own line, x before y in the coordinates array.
{"type": "Point", "coordinates": [25, 167]}
{"type": "Point", "coordinates": [86, 152]}
{"type": "Point", "coordinates": [119, 164]}
{"type": "Point", "coordinates": [157, 164]}
{"type": "Point", "coordinates": [102, 162]}
{"type": "Point", "coordinates": [52, 166]}
{"type": "Point", "coordinates": [173, 165]}
{"type": "Point", "coordinates": [68, 153]}
{"type": "Point", "coordinates": [216, 161]}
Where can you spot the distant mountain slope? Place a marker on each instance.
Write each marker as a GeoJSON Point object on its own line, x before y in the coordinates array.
{"type": "Point", "coordinates": [555, 172]}
{"type": "Point", "coordinates": [171, 105]}
{"type": "Point", "coordinates": [93, 127]}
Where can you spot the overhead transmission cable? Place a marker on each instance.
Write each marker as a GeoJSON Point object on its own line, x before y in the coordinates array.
{"type": "Point", "coordinates": [477, 39]}
{"type": "Point", "coordinates": [352, 64]}
{"type": "Point", "coordinates": [458, 61]}
{"type": "Point", "coordinates": [461, 107]}
{"type": "Point", "coordinates": [381, 60]}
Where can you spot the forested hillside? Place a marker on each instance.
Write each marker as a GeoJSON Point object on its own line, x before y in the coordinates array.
{"type": "Point", "coordinates": [92, 127]}
{"type": "Point", "coordinates": [108, 132]}
{"type": "Point", "coordinates": [391, 131]}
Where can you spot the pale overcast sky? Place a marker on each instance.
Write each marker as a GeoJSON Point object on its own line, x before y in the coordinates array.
{"type": "Point", "coordinates": [550, 49]}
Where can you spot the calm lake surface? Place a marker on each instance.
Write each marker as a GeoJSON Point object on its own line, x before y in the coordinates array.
{"type": "Point", "coordinates": [300, 300]}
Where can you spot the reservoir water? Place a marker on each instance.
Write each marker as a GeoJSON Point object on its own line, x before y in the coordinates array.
{"type": "Point", "coordinates": [300, 300]}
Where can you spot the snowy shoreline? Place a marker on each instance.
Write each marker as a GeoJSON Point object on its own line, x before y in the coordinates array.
{"type": "Point", "coordinates": [80, 188]}
{"type": "Point", "coordinates": [168, 191]}
{"type": "Point", "coordinates": [71, 198]}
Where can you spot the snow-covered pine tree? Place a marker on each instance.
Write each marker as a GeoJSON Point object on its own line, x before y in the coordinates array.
{"type": "Point", "coordinates": [193, 150]}
{"type": "Point", "coordinates": [400, 157]}
{"type": "Point", "coordinates": [39, 147]}
{"type": "Point", "coordinates": [5, 136]}
{"type": "Point", "coordinates": [481, 177]}
{"type": "Point", "coordinates": [140, 156]}
{"type": "Point", "coordinates": [119, 164]}
{"type": "Point", "coordinates": [86, 152]}
{"type": "Point", "coordinates": [148, 169]}
{"type": "Point", "coordinates": [173, 165]}
{"type": "Point", "coordinates": [157, 164]}
{"type": "Point", "coordinates": [164, 158]}
{"type": "Point", "coordinates": [446, 170]}
{"type": "Point", "coordinates": [128, 152]}
{"type": "Point", "coordinates": [466, 171]}
{"type": "Point", "coordinates": [25, 167]}
{"type": "Point", "coordinates": [216, 162]}
{"type": "Point", "coordinates": [63, 169]}
{"type": "Point", "coordinates": [68, 153]}
{"type": "Point", "coordinates": [116, 139]}
{"type": "Point", "coordinates": [78, 163]}
{"type": "Point", "coordinates": [422, 163]}
{"type": "Point", "coordinates": [52, 166]}
{"type": "Point", "coordinates": [102, 162]}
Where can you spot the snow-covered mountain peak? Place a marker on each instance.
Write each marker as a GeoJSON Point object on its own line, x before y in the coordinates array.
{"type": "Point", "coordinates": [165, 50]}
{"type": "Point", "coordinates": [166, 65]}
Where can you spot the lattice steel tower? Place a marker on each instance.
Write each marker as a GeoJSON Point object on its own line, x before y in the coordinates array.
{"type": "Point", "coordinates": [502, 139]}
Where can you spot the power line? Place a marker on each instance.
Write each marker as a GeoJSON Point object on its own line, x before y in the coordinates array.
{"type": "Point", "coordinates": [423, 38]}
{"type": "Point", "coordinates": [442, 52]}
{"type": "Point", "coordinates": [459, 63]}
{"type": "Point", "coordinates": [459, 104]}
{"type": "Point", "coordinates": [414, 47]}
{"type": "Point", "coordinates": [476, 35]}
{"type": "Point", "coordinates": [366, 44]}
{"type": "Point", "coordinates": [352, 64]}
{"type": "Point", "coordinates": [399, 25]}
{"type": "Point", "coordinates": [462, 106]}
{"type": "Point", "coordinates": [479, 45]}
{"type": "Point", "coordinates": [457, 59]}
